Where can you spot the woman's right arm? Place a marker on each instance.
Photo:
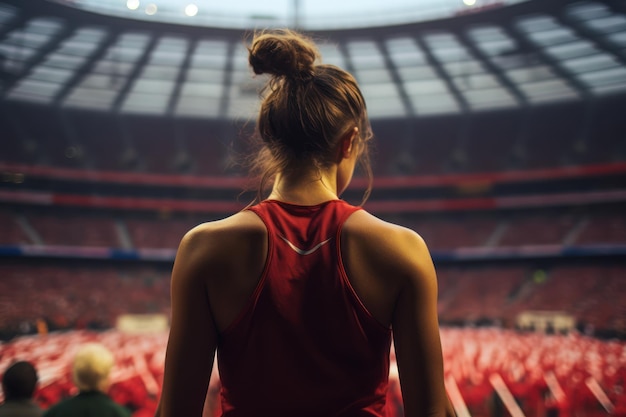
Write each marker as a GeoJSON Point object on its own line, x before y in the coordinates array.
{"type": "Point", "coordinates": [416, 333]}
{"type": "Point", "coordinates": [193, 336]}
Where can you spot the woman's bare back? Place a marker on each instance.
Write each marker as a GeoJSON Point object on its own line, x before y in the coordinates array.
{"type": "Point", "coordinates": [370, 248]}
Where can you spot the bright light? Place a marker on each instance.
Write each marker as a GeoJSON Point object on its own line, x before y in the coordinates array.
{"type": "Point", "coordinates": [469, 2]}
{"type": "Point", "coordinates": [132, 4]}
{"type": "Point", "coordinates": [151, 9]}
{"type": "Point", "coordinates": [191, 10]}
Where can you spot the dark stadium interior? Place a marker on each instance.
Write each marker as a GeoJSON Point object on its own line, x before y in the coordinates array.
{"type": "Point", "coordinates": [500, 137]}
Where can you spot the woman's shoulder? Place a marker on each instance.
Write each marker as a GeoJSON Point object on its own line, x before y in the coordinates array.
{"type": "Point", "coordinates": [220, 245]}
{"type": "Point", "coordinates": [223, 239]}
{"type": "Point", "coordinates": [373, 229]}
{"type": "Point", "coordinates": [389, 245]}
{"type": "Point", "coordinates": [243, 225]}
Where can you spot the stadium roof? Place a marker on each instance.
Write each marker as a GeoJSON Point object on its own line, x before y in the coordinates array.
{"type": "Point", "coordinates": [522, 55]}
{"type": "Point", "coordinates": [305, 14]}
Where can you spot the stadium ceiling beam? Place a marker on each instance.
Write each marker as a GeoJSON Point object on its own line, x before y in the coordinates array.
{"type": "Point", "coordinates": [441, 72]}
{"type": "Point", "coordinates": [343, 50]}
{"type": "Point", "coordinates": [38, 57]}
{"type": "Point", "coordinates": [227, 81]}
{"type": "Point", "coordinates": [16, 22]}
{"type": "Point", "coordinates": [562, 71]}
{"type": "Point", "coordinates": [527, 45]}
{"type": "Point", "coordinates": [130, 80]}
{"type": "Point", "coordinates": [597, 39]}
{"type": "Point", "coordinates": [393, 70]}
{"type": "Point", "coordinates": [465, 119]}
{"type": "Point", "coordinates": [181, 77]}
{"type": "Point", "coordinates": [85, 68]}
{"type": "Point", "coordinates": [493, 69]}
{"type": "Point", "coordinates": [584, 134]}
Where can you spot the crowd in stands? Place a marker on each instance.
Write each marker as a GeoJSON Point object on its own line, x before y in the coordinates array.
{"type": "Point", "coordinates": [70, 296]}
{"type": "Point", "coordinates": [64, 295]}
{"type": "Point", "coordinates": [592, 293]}
{"type": "Point", "coordinates": [543, 372]}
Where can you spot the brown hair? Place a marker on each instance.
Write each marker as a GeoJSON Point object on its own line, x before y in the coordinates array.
{"type": "Point", "coordinates": [305, 109]}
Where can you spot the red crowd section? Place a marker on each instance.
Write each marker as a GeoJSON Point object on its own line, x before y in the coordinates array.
{"type": "Point", "coordinates": [594, 294]}
{"type": "Point", "coordinates": [74, 296]}
{"type": "Point", "coordinates": [68, 295]}
{"type": "Point", "coordinates": [574, 375]}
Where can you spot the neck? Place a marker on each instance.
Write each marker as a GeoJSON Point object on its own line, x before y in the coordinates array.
{"type": "Point", "coordinates": [305, 187]}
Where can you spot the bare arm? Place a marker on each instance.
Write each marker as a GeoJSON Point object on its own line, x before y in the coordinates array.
{"type": "Point", "coordinates": [391, 270]}
{"type": "Point", "coordinates": [416, 335]}
{"type": "Point", "coordinates": [193, 336]}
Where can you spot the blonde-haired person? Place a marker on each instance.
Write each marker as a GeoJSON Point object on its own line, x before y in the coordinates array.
{"type": "Point", "coordinates": [90, 370]}
{"type": "Point", "coordinates": [302, 292]}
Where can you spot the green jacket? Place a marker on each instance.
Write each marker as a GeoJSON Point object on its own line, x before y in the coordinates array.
{"type": "Point", "coordinates": [88, 404]}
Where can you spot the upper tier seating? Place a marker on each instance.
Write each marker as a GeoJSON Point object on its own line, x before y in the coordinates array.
{"type": "Point", "coordinates": [604, 227]}
{"type": "Point", "coordinates": [11, 233]}
{"type": "Point", "coordinates": [442, 231]}
{"type": "Point", "coordinates": [75, 229]}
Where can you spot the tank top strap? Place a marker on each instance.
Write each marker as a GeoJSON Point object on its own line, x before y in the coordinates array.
{"type": "Point", "coordinates": [303, 227]}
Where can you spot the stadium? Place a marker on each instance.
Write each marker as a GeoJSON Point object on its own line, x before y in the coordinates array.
{"type": "Point", "coordinates": [500, 137]}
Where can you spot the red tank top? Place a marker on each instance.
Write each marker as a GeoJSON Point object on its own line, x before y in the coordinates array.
{"type": "Point", "coordinates": [304, 345]}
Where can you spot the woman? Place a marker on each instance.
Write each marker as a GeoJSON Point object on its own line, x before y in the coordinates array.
{"type": "Point", "coordinates": [299, 293]}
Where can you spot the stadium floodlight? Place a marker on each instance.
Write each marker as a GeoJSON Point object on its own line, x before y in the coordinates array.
{"type": "Point", "coordinates": [191, 10]}
{"type": "Point", "coordinates": [132, 4]}
{"type": "Point", "coordinates": [151, 9]}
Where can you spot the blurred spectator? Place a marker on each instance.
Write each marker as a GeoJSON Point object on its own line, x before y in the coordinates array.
{"type": "Point", "coordinates": [91, 369]}
{"type": "Point", "coordinates": [18, 384]}
{"type": "Point", "coordinates": [42, 327]}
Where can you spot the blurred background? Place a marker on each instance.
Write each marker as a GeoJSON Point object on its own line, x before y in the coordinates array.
{"type": "Point", "coordinates": [500, 138]}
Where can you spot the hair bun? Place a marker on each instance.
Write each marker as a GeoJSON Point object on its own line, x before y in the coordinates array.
{"type": "Point", "coordinates": [283, 53]}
